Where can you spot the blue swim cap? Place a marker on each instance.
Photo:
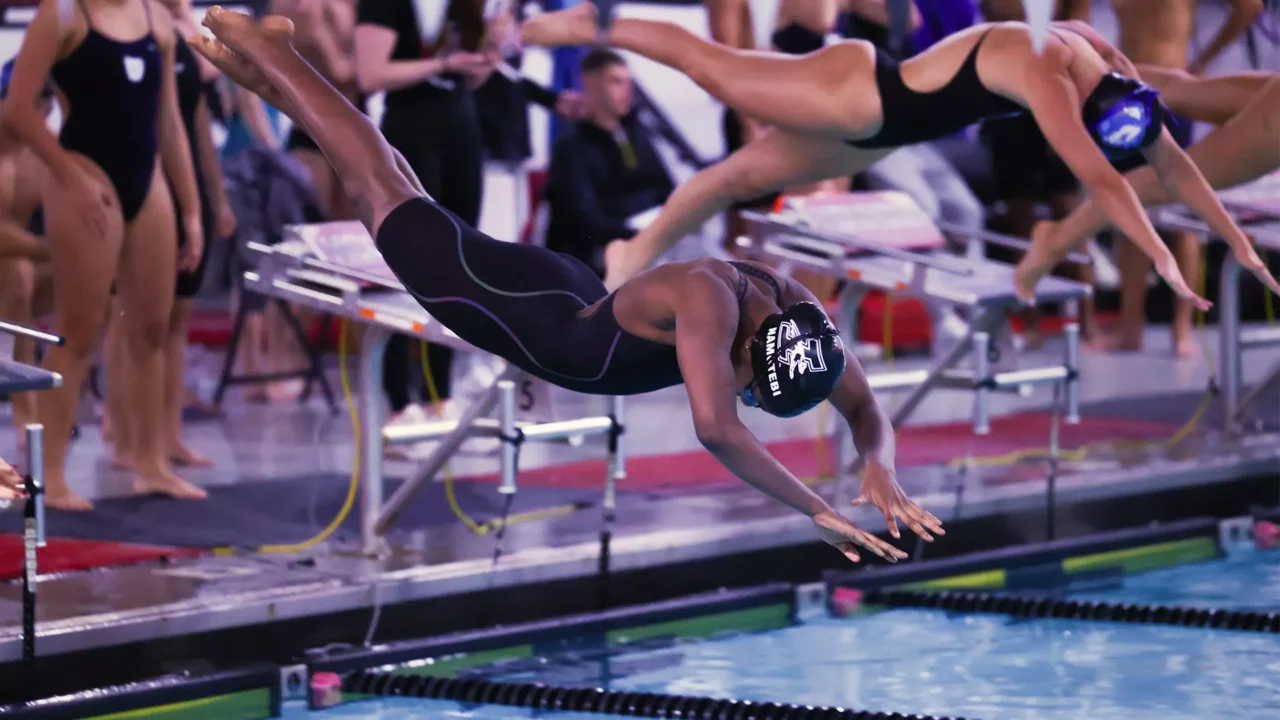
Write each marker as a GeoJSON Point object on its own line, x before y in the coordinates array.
{"type": "Point", "coordinates": [797, 359]}
{"type": "Point", "coordinates": [1124, 116]}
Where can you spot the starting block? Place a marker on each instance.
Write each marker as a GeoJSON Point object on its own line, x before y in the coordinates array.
{"type": "Point", "coordinates": [335, 268]}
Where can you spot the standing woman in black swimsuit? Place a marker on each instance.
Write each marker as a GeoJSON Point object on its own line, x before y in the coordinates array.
{"type": "Point", "coordinates": [195, 81]}
{"type": "Point", "coordinates": [109, 212]}
{"type": "Point", "coordinates": [840, 109]}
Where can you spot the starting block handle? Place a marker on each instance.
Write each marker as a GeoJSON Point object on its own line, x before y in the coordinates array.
{"type": "Point", "coordinates": [844, 239]}
{"type": "Point", "coordinates": [1072, 332]}
{"type": "Point", "coordinates": [981, 390]}
{"type": "Point", "coordinates": [1013, 243]}
{"type": "Point", "coordinates": [36, 335]}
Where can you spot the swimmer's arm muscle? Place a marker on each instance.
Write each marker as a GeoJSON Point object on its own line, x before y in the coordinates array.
{"type": "Point", "coordinates": [40, 46]}
{"type": "Point", "coordinates": [1052, 98]}
{"type": "Point", "coordinates": [706, 324]}
{"type": "Point", "coordinates": [376, 71]}
{"type": "Point", "coordinates": [1243, 13]}
{"type": "Point", "coordinates": [1109, 53]}
{"type": "Point", "coordinates": [16, 242]}
{"type": "Point", "coordinates": [207, 153]}
{"type": "Point", "coordinates": [175, 149]}
{"type": "Point", "coordinates": [1179, 174]}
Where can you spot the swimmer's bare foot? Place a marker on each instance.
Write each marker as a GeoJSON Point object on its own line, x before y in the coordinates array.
{"type": "Point", "coordinates": [574, 26]}
{"type": "Point", "coordinates": [1038, 262]}
{"type": "Point", "coordinates": [183, 456]}
{"type": "Point", "coordinates": [1184, 343]}
{"type": "Point", "coordinates": [1122, 341]}
{"type": "Point", "coordinates": [160, 481]}
{"type": "Point", "coordinates": [66, 501]}
{"type": "Point", "coordinates": [238, 46]}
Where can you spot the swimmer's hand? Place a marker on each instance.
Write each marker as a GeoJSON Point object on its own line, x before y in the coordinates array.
{"type": "Point", "coordinates": [838, 532]}
{"type": "Point", "coordinates": [225, 226]}
{"type": "Point", "coordinates": [881, 490]}
{"type": "Point", "coordinates": [1168, 269]}
{"type": "Point", "coordinates": [10, 482]}
{"type": "Point", "coordinates": [93, 203]}
{"type": "Point", "coordinates": [191, 252]}
{"type": "Point", "coordinates": [1248, 258]}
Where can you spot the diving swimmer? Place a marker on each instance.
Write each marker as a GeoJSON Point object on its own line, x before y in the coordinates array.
{"type": "Point", "coordinates": [838, 110]}
{"type": "Point", "coordinates": [1243, 148]}
{"type": "Point", "coordinates": [726, 331]}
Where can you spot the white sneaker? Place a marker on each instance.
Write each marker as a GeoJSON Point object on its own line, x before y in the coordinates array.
{"type": "Point", "coordinates": [411, 415]}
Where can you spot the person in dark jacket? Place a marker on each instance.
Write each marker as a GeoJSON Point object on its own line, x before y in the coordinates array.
{"type": "Point", "coordinates": [605, 171]}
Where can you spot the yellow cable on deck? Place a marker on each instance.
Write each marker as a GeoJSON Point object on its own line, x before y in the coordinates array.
{"type": "Point", "coordinates": [353, 486]}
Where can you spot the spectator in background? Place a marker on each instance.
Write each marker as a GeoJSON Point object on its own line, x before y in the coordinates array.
{"type": "Point", "coordinates": [503, 106]}
{"type": "Point", "coordinates": [605, 171]}
{"type": "Point", "coordinates": [428, 67]}
{"type": "Point", "coordinates": [1166, 44]}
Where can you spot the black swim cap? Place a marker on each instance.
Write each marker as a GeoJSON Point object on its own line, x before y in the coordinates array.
{"type": "Point", "coordinates": [797, 359]}
{"type": "Point", "coordinates": [1123, 116]}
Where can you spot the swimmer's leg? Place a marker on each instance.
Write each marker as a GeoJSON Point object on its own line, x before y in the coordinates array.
{"type": "Point", "coordinates": [817, 92]}
{"type": "Point", "coordinates": [262, 58]}
{"type": "Point", "coordinates": [1206, 99]}
{"type": "Point", "coordinates": [1242, 150]}
{"type": "Point", "coordinates": [17, 299]}
{"type": "Point", "coordinates": [775, 160]}
{"type": "Point", "coordinates": [146, 284]}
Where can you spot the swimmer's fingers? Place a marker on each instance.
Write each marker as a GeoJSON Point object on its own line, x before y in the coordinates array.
{"type": "Point", "coordinates": [877, 546]}
{"type": "Point", "coordinates": [837, 531]}
{"type": "Point", "coordinates": [921, 521]}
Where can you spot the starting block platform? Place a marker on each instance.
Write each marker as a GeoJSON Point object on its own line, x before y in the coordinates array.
{"type": "Point", "coordinates": [884, 241]}
{"type": "Point", "coordinates": [336, 269]}
{"type": "Point", "coordinates": [1256, 207]}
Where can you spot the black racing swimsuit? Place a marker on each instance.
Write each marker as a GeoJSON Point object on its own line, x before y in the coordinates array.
{"type": "Point", "coordinates": [910, 117]}
{"type": "Point", "coordinates": [522, 303]}
{"type": "Point", "coordinates": [113, 88]}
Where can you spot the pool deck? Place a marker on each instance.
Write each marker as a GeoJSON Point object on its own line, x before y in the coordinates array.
{"type": "Point", "coordinates": [719, 534]}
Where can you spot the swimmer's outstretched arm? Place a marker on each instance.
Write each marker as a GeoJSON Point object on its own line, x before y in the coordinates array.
{"type": "Point", "coordinates": [175, 147]}
{"type": "Point", "coordinates": [873, 438]}
{"type": "Point", "coordinates": [1240, 151]}
{"type": "Point", "coordinates": [706, 324]}
{"type": "Point", "coordinates": [1051, 95]}
{"type": "Point", "coordinates": [1180, 175]}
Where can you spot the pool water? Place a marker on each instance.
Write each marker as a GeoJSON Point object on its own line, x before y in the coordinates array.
{"type": "Point", "coordinates": [978, 666]}
{"type": "Point", "coordinates": [1247, 581]}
